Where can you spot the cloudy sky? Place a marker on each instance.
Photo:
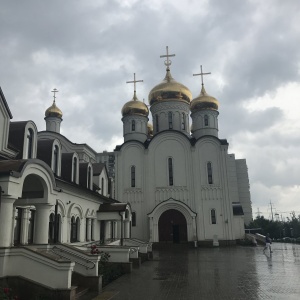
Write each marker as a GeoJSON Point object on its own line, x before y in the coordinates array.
{"type": "Point", "coordinates": [89, 49]}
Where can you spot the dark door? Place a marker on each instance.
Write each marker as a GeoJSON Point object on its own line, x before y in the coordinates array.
{"type": "Point", "coordinates": [172, 227]}
{"type": "Point", "coordinates": [176, 237]}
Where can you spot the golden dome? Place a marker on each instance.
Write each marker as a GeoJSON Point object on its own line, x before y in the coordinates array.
{"type": "Point", "coordinates": [53, 111]}
{"type": "Point", "coordinates": [169, 89]}
{"type": "Point", "coordinates": [135, 107]}
{"type": "Point", "coordinates": [204, 101]}
{"type": "Point", "coordinates": [150, 129]}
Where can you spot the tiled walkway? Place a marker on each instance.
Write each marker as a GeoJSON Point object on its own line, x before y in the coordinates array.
{"type": "Point", "coordinates": [213, 273]}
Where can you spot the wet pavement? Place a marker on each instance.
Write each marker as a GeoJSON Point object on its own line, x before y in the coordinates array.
{"type": "Point", "coordinates": [213, 273]}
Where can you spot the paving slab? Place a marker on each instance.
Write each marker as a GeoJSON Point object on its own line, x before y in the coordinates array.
{"type": "Point", "coordinates": [213, 273]}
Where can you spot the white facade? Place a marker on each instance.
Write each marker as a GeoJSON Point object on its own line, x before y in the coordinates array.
{"type": "Point", "coordinates": [176, 171]}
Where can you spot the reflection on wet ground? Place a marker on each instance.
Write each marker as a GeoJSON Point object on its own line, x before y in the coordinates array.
{"type": "Point", "coordinates": [214, 273]}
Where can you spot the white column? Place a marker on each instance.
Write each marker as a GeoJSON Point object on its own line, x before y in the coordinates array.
{"type": "Point", "coordinates": [89, 229]}
{"type": "Point", "coordinates": [41, 224]}
{"type": "Point", "coordinates": [24, 225]}
{"type": "Point", "coordinates": [127, 229]}
{"type": "Point", "coordinates": [6, 221]}
{"type": "Point", "coordinates": [194, 224]}
{"type": "Point", "coordinates": [151, 230]}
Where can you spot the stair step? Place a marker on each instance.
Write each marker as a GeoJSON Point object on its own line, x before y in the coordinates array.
{"type": "Point", "coordinates": [80, 291]}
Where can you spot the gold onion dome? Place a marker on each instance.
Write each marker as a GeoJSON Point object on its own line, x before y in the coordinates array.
{"type": "Point", "coordinates": [135, 107]}
{"type": "Point", "coordinates": [169, 89]}
{"type": "Point", "coordinates": [53, 111]}
{"type": "Point", "coordinates": [204, 101]}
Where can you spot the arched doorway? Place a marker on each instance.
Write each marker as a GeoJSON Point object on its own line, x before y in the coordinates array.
{"type": "Point", "coordinates": [172, 227]}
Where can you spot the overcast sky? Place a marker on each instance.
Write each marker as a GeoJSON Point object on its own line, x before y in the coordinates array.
{"type": "Point", "coordinates": [89, 49]}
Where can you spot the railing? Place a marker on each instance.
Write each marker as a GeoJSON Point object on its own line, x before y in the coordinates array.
{"type": "Point", "coordinates": [87, 261]}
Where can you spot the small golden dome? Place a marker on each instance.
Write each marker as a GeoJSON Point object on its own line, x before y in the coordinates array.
{"type": "Point", "coordinates": [169, 89]}
{"type": "Point", "coordinates": [53, 111]}
{"type": "Point", "coordinates": [135, 107]}
{"type": "Point", "coordinates": [150, 129]}
{"type": "Point", "coordinates": [204, 101]}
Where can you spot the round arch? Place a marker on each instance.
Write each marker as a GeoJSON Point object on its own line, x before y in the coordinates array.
{"type": "Point", "coordinates": [172, 204]}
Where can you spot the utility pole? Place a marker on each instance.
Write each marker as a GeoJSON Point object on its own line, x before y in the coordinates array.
{"type": "Point", "coordinates": [271, 210]}
{"type": "Point", "coordinates": [258, 212]}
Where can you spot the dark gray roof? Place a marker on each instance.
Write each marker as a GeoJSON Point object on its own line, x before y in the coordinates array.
{"type": "Point", "coordinates": [97, 168]}
{"type": "Point", "coordinates": [112, 207]}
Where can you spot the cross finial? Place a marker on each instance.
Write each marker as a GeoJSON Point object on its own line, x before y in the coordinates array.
{"type": "Point", "coordinates": [168, 62]}
{"type": "Point", "coordinates": [54, 96]}
{"type": "Point", "coordinates": [201, 74]}
{"type": "Point", "coordinates": [134, 81]}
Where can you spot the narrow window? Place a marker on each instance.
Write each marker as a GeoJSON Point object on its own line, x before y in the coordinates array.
{"type": "Point", "coordinates": [133, 219]}
{"type": "Point", "coordinates": [55, 160]}
{"type": "Point", "coordinates": [51, 228]}
{"type": "Point", "coordinates": [102, 186]}
{"type": "Point", "coordinates": [92, 229]}
{"type": "Point", "coordinates": [213, 216]}
{"type": "Point", "coordinates": [170, 118]}
{"type": "Point", "coordinates": [209, 173]}
{"type": "Point", "coordinates": [89, 177]}
{"type": "Point", "coordinates": [17, 226]}
{"type": "Point", "coordinates": [156, 123]}
{"type": "Point", "coordinates": [170, 167]}
{"type": "Point", "coordinates": [74, 169]}
{"type": "Point", "coordinates": [183, 121]}
{"type": "Point", "coordinates": [29, 143]}
{"type": "Point", "coordinates": [73, 230]}
{"type": "Point", "coordinates": [206, 120]}
{"type": "Point", "coordinates": [31, 226]}
{"type": "Point", "coordinates": [132, 176]}
{"type": "Point", "coordinates": [133, 125]}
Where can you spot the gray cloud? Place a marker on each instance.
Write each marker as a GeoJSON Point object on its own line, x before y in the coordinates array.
{"type": "Point", "coordinates": [88, 50]}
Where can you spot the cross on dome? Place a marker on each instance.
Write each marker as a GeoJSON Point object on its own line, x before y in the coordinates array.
{"type": "Point", "coordinates": [134, 81]}
{"type": "Point", "coordinates": [54, 96]}
{"type": "Point", "coordinates": [201, 74]}
{"type": "Point", "coordinates": [168, 62]}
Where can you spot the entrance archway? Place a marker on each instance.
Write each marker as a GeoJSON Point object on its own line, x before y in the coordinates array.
{"type": "Point", "coordinates": [172, 227]}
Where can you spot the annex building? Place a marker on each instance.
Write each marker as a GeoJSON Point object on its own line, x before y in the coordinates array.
{"type": "Point", "coordinates": [170, 182]}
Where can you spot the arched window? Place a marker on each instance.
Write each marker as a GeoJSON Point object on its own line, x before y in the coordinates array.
{"type": "Point", "coordinates": [157, 123]}
{"type": "Point", "coordinates": [74, 175]}
{"type": "Point", "coordinates": [133, 125]}
{"type": "Point", "coordinates": [51, 228]}
{"type": "Point", "coordinates": [133, 219]}
{"type": "Point", "coordinates": [102, 186]}
{"type": "Point", "coordinates": [183, 121]}
{"type": "Point", "coordinates": [55, 160]}
{"type": "Point", "coordinates": [213, 216]}
{"type": "Point", "coordinates": [170, 168]}
{"type": "Point", "coordinates": [89, 177]}
{"type": "Point", "coordinates": [170, 119]}
{"type": "Point", "coordinates": [73, 230]}
{"type": "Point", "coordinates": [209, 173]}
{"type": "Point", "coordinates": [206, 120]}
{"type": "Point", "coordinates": [29, 143]}
{"type": "Point", "coordinates": [132, 176]}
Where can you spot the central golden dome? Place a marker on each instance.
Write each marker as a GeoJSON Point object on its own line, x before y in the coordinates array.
{"type": "Point", "coordinates": [135, 107]}
{"type": "Point", "coordinates": [53, 111]}
{"type": "Point", "coordinates": [204, 101]}
{"type": "Point", "coordinates": [169, 89]}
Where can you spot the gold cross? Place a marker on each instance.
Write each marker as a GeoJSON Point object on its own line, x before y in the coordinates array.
{"type": "Point", "coordinates": [134, 82]}
{"type": "Point", "coordinates": [168, 62]}
{"type": "Point", "coordinates": [201, 74]}
{"type": "Point", "coordinates": [54, 91]}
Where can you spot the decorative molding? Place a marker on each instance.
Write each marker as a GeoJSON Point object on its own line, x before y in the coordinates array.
{"type": "Point", "coordinates": [170, 106]}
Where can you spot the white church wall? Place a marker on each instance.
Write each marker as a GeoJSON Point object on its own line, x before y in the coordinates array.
{"type": "Point", "coordinates": [244, 189]}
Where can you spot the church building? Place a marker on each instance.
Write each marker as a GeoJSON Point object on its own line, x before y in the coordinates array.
{"type": "Point", "coordinates": [180, 180]}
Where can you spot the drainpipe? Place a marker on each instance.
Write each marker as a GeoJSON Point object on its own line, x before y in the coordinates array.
{"type": "Point", "coordinates": [121, 228]}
